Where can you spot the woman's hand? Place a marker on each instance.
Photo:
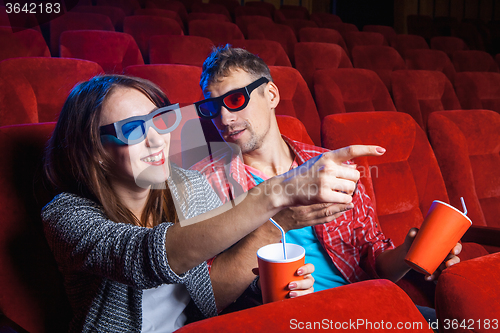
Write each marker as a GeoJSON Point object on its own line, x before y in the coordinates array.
{"type": "Point", "coordinates": [302, 287]}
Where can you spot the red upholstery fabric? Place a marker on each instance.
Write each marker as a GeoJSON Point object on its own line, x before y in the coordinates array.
{"type": "Point", "coordinates": [19, 21]}
{"type": "Point", "coordinates": [208, 16]}
{"type": "Point", "coordinates": [388, 32]}
{"type": "Point", "coordinates": [467, 146]}
{"type": "Point", "coordinates": [261, 4]}
{"type": "Point", "coordinates": [270, 51]}
{"type": "Point", "coordinates": [251, 11]}
{"type": "Point", "coordinates": [231, 5]}
{"type": "Point", "coordinates": [143, 27]}
{"type": "Point", "coordinates": [299, 24]}
{"type": "Point", "coordinates": [293, 128]}
{"type": "Point", "coordinates": [181, 84]}
{"type": "Point", "coordinates": [474, 61]}
{"type": "Point", "coordinates": [220, 33]}
{"type": "Point", "coordinates": [350, 90]}
{"type": "Point", "coordinates": [343, 28]}
{"type": "Point", "coordinates": [322, 35]}
{"type": "Point", "coordinates": [128, 6]}
{"type": "Point", "coordinates": [448, 44]}
{"type": "Point", "coordinates": [383, 60]}
{"type": "Point", "coordinates": [407, 42]}
{"type": "Point", "coordinates": [280, 33]}
{"type": "Point", "coordinates": [173, 5]}
{"type": "Point", "coordinates": [163, 13]}
{"type": "Point", "coordinates": [182, 50]}
{"type": "Point", "coordinates": [46, 80]}
{"type": "Point", "coordinates": [322, 18]}
{"type": "Point", "coordinates": [478, 90]}
{"type": "Point", "coordinates": [244, 21]}
{"type": "Point", "coordinates": [431, 60]}
{"type": "Point", "coordinates": [357, 38]}
{"type": "Point", "coordinates": [115, 14]}
{"type": "Point", "coordinates": [25, 43]}
{"type": "Point", "coordinates": [469, 293]}
{"type": "Point", "coordinates": [371, 301]}
{"type": "Point", "coordinates": [296, 100]}
{"type": "Point", "coordinates": [310, 57]}
{"type": "Point", "coordinates": [210, 8]}
{"type": "Point", "coordinates": [113, 51]}
{"type": "Point", "coordinates": [295, 12]}
{"type": "Point", "coordinates": [76, 21]}
{"type": "Point", "coordinates": [419, 93]}
{"type": "Point", "coordinates": [32, 293]}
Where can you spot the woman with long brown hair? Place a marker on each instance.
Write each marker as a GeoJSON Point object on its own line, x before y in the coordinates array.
{"type": "Point", "coordinates": [128, 263]}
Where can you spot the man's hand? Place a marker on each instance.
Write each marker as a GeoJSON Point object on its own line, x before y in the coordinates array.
{"type": "Point", "coordinates": [450, 260]}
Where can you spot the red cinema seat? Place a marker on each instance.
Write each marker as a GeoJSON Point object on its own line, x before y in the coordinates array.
{"type": "Point", "coordinates": [143, 27]}
{"type": "Point", "coordinates": [310, 57]}
{"type": "Point", "coordinates": [128, 6]}
{"type": "Point", "coordinates": [296, 100]}
{"type": "Point", "coordinates": [322, 18]}
{"type": "Point", "coordinates": [294, 12]}
{"type": "Point", "coordinates": [467, 146]}
{"type": "Point", "coordinates": [419, 93]}
{"type": "Point", "coordinates": [388, 32]}
{"type": "Point", "coordinates": [381, 59]}
{"type": "Point", "coordinates": [261, 4]}
{"type": "Point", "coordinates": [231, 5]}
{"type": "Point", "coordinates": [293, 128]}
{"type": "Point", "coordinates": [207, 16]}
{"type": "Point", "coordinates": [181, 85]}
{"type": "Point", "coordinates": [298, 24]}
{"type": "Point", "coordinates": [408, 42]}
{"type": "Point", "coordinates": [113, 51]}
{"type": "Point", "coordinates": [384, 300]}
{"type": "Point", "coordinates": [162, 13]}
{"type": "Point", "coordinates": [270, 51]}
{"type": "Point", "coordinates": [322, 35]}
{"type": "Point", "coordinates": [76, 21]}
{"type": "Point", "coordinates": [244, 21]}
{"type": "Point", "coordinates": [115, 14]}
{"type": "Point", "coordinates": [474, 61]}
{"type": "Point", "coordinates": [251, 11]}
{"type": "Point", "coordinates": [220, 33]}
{"type": "Point", "coordinates": [280, 33]}
{"type": "Point", "coordinates": [448, 44]}
{"type": "Point", "coordinates": [341, 27]}
{"type": "Point", "coordinates": [359, 38]}
{"type": "Point", "coordinates": [409, 160]}
{"type": "Point", "coordinates": [172, 5]}
{"type": "Point", "coordinates": [431, 60]}
{"type": "Point", "coordinates": [48, 80]}
{"type": "Point", "coordinates": [25, 43]}
{"type": "Point", "coordinates": [181, 50]}
{"type": "Point", "coordinates": [18, 22]}
{"type": "Point", "coordinates": [350, 90]}
{"type": "Point", "coordinates": [478, 90]}
{"type": "Point", "coordinates": [468, 293]}
{"type": "Point", "coordinates": [212, 8]}
{"type": "Point", "coordinates": [32, 297]}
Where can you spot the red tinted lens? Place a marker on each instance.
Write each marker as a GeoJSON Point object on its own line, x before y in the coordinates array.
{"type": "Point", "coordinates": [164, 120]}
{"type": "Point", "coordinates": [235, 100]}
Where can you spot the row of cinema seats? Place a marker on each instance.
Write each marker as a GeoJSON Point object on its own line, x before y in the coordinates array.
{"type": "Point", "coordinates": [402, 183]}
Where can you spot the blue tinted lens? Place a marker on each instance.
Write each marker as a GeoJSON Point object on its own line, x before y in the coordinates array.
{"type": "Point", "coordinates": [209, 109]}
{"type": "Point", "coordinates": [133, 130]}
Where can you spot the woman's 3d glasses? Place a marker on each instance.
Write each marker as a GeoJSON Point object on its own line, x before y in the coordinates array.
{"type": "Point", "coordinates": [234, 100]}
{"type": "Point", "coordinates": [135, 129]}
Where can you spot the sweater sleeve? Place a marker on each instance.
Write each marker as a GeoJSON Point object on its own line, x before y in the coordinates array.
{"type": "Point", "coordinates": [84, 240]}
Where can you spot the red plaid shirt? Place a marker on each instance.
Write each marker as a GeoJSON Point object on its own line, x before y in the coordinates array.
{"type": "Point", "coordinates": [352, 241]}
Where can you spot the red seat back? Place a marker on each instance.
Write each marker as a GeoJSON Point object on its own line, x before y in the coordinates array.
{"type": "Point", "coordinates": [181, 50]}
{"type": "Point", "coordinates": [280, 33]}
{"type": "Point", "coordinates": [322, 35]}
{"type": "Point", "coordinates": [357, 38]}
{"type": "Point", "coordinates": [474, 61]}
{"type": "Point", "coordinates": [408, 42]}
{"type": "Point", "coordinates": [113, 51]}
{"type": "Point", "coordinates": [171, 14]}
{"type": "Point", "coordinates": [388, 32]}
{"type": "Point", "coordinates": [220, 33]}
{"type": "Point", "coordinates": [322, 18]}
{"type": "Point", "coordinates": [448, 44]}
{"type": "Point", "coordinates": [25, 43]}
{"type": "Point", "coordinates": [478, 90]}
{"type": "Point", "coordinates": [270, 51]}
{"type": "Point", "coordinates": [213, 8]}
{"type": "Point", "coordinates": [431, 60]}
{"type": "Point", "coordinates": [128, 6]}
{"type": "Point", "coordinates": [115, 14]}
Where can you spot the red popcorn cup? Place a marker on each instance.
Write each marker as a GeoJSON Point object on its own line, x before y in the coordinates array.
{"type": "Point", "coordinates": [443, 227]}
{"type": "Point", "coordinates": [276, 272]}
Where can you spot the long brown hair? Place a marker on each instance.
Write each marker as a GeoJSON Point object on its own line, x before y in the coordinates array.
{"type": "Point", "coordinates": [76, 161]}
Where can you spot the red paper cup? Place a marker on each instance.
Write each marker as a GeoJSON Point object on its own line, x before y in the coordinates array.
{"type": "Point", "coordinates": [275, 272]}
{"type": "Point", "coordinates": [443, 227]}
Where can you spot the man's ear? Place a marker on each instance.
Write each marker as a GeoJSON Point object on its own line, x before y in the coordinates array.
{"type": "Point", "coordinates": [273, 95]}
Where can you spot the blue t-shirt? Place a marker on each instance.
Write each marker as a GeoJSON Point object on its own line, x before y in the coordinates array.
{"type": "Point", "coordinates": [326, 274]}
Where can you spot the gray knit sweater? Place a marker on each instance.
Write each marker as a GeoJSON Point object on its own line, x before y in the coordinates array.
{"type": "Point", "coordinates": [106, 265]}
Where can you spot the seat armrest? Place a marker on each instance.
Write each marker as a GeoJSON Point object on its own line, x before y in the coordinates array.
{"type": "Point", "coordinates": [483, 235]}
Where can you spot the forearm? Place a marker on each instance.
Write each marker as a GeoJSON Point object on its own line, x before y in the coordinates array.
{"type": "Point", "coordinates": [189, 243]}
{"type": "Point", "coordinates": [390, 264]}
{"type": "Point", "coordinates": [231, 271]}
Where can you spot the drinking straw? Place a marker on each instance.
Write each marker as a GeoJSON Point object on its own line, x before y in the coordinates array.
{"type": "Point", "coordinates": [282, 236]}
{"type": "Point", "coordinates": [463, 205]}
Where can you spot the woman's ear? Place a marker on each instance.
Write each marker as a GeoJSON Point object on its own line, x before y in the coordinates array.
{"type": "Point", "coordinates": [273, 95]}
